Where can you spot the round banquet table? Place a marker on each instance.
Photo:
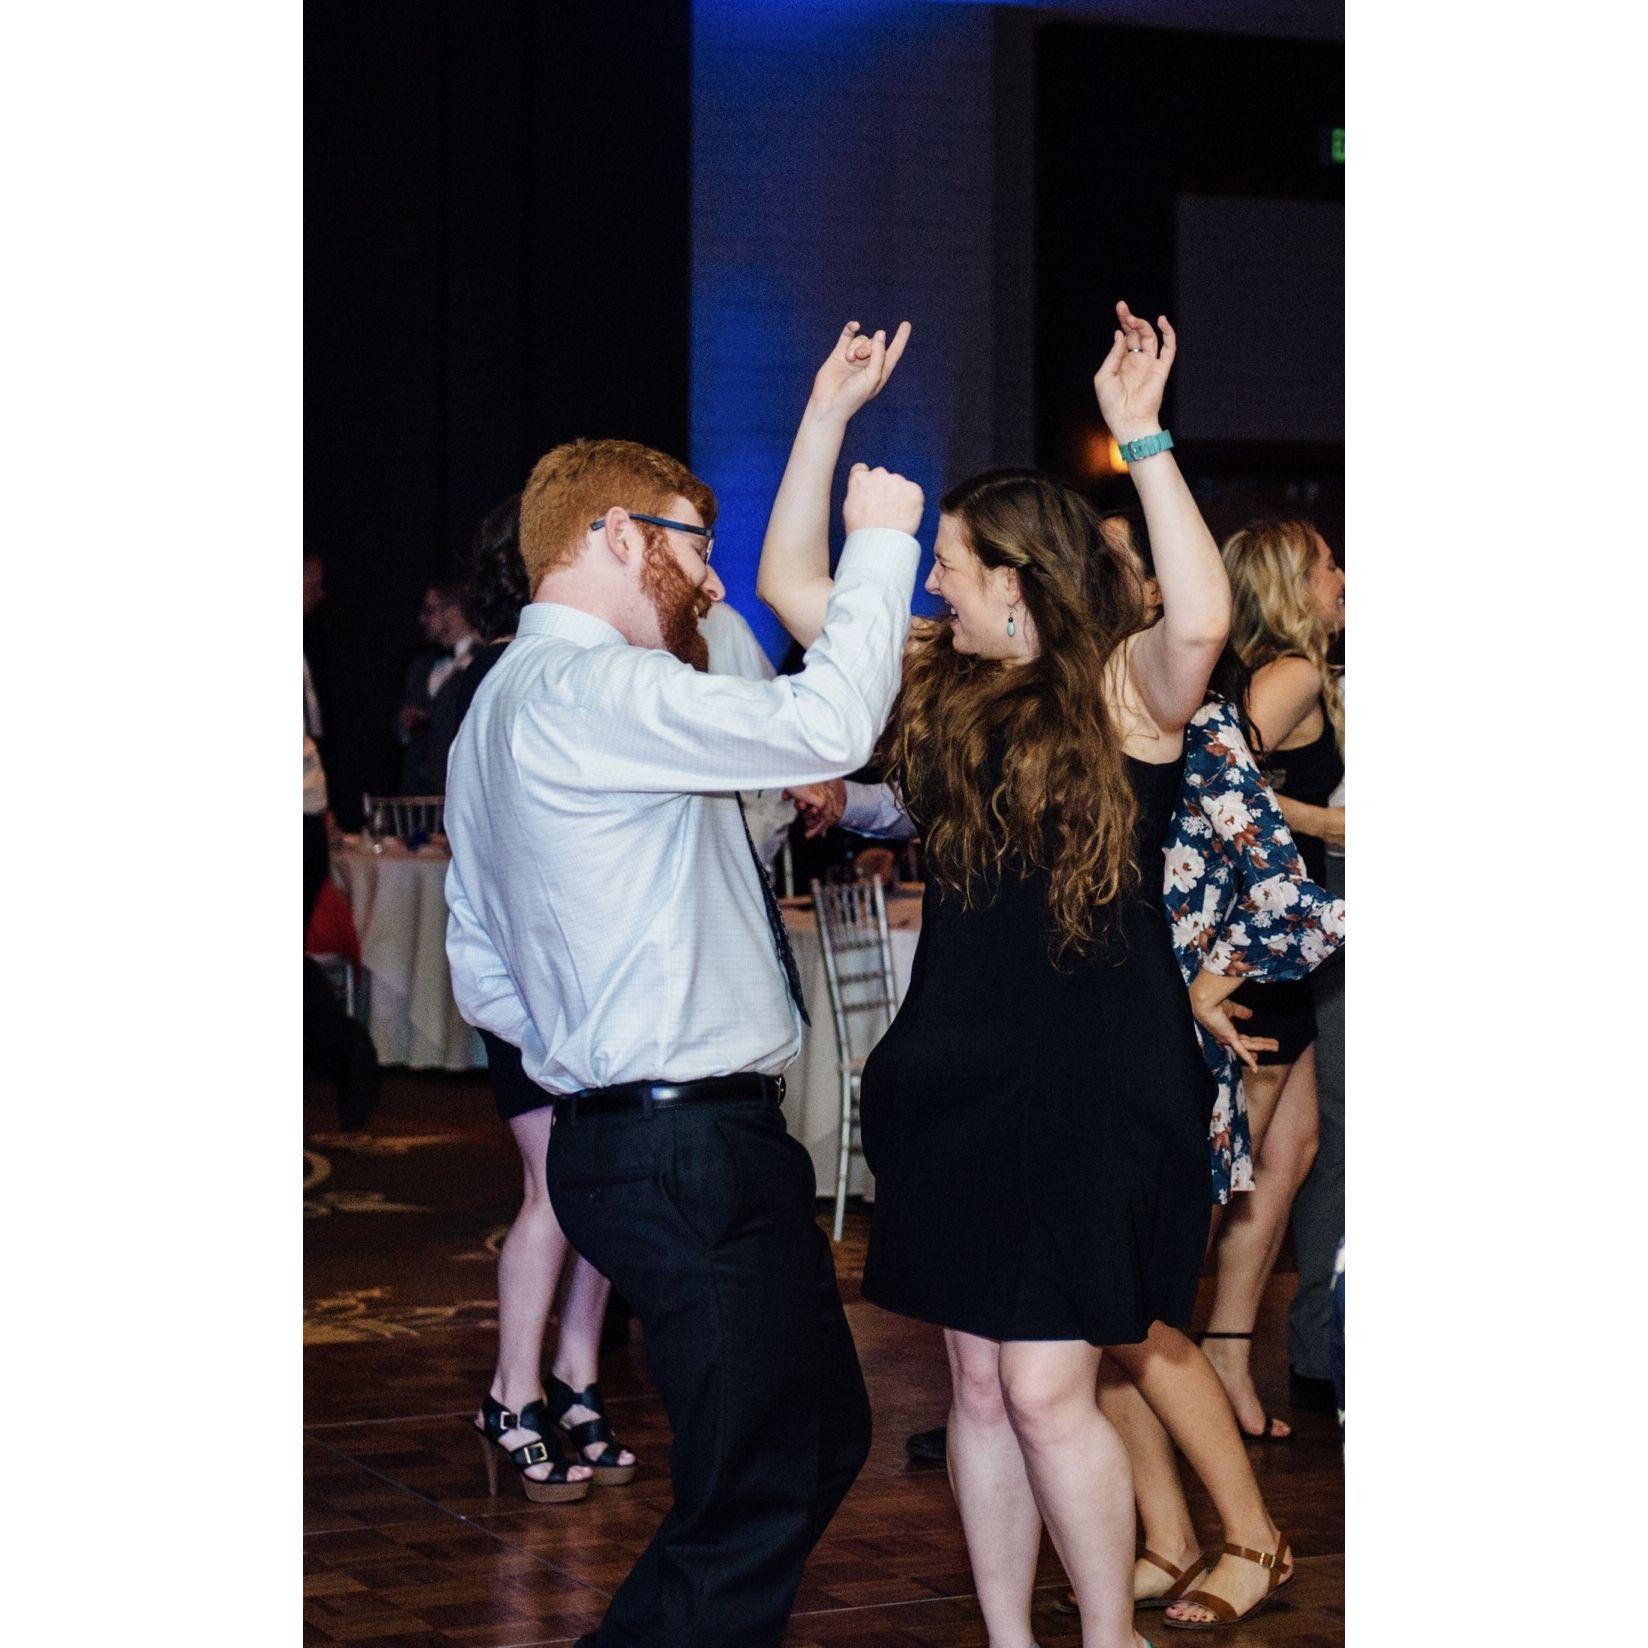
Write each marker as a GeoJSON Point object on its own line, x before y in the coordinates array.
{"type": "Point", "coordinates": [398, 900]}
{"type": "Point", "coordinates": [812, 1098]}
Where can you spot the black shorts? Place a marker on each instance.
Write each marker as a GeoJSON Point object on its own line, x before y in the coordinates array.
{"type": "Point", "coordinates": [1285, 1010]}
{"type": "Point", "coordinates": [513, 1090]}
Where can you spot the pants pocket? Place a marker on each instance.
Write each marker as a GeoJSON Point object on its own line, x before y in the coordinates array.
{"type": "Point", "coordinates": [703, 1180]}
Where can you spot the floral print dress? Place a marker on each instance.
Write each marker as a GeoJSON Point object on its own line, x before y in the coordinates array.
{"type": "Point", "coordinates": [1239, 902]}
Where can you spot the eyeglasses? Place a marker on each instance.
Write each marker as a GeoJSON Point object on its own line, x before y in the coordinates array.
{"type": "Point", "coordinates": [707, 533]}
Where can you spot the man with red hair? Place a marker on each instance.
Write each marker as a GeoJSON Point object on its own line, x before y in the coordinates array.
{"type": "Point", "coordinates": [608, 917]}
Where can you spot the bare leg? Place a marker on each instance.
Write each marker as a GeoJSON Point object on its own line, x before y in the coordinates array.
{"type": "Point", "coordinates": [1177, 1382]}
{"type": "Point", "coordinates": [1283, 1111]}
{"type": "Point", "coordinates": [579, 1344]}
{"type": "Point", "coordinates": [987, 1476]}
{"type": "Point", "coordinates": [529, 1266]}
{"type": "Point", "coordinates": [1168, 1529]}
{"type": "Point", "coordinates": [1079, 1474]}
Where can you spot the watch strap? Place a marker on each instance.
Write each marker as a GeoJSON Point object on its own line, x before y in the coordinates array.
{"type": "Point", "coordinates": [1146, 446]}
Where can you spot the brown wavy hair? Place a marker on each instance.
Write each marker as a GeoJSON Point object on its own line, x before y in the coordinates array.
{"type": "Point", "coordinates": [1061, 801]}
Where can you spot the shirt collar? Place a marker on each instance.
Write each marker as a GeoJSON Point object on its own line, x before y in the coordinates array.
{"type": "Point", "coordinates": [583, 629]}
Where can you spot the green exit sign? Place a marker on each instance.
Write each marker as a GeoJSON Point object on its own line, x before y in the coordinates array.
{"type": "Point", "coordinates": [1333, 146]}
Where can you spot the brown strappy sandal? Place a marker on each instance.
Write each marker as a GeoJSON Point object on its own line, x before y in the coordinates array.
{"type": "Point", "coordinates": [1182, 1579]}
{"type": "Point", "coordinates": [1223, 1613]}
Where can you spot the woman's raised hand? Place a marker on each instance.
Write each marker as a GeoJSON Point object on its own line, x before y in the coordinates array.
{"type": "Point", "coordinates": [1131, 378]}
{"type": "Point", "coordinates": [857, 369]}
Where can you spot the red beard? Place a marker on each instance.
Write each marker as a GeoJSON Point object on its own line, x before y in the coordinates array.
{"type": "Point", "coordinates": [677, 601]}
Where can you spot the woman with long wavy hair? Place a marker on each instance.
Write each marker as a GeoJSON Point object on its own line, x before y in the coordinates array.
{"type": "Point", "coordinates": [1037, 1115]}
{"type": "Point", "coordinates": [1288, 599]}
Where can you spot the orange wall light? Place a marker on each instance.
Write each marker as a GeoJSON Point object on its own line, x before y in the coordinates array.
{"type": "Point", "coordinates": [1101, 455]}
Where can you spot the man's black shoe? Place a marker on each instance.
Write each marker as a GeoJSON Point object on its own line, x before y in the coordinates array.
{"type": "Point", "coordinates": [927, 1446]}
{"type": "Point", "coordinates": [1311, 1395]}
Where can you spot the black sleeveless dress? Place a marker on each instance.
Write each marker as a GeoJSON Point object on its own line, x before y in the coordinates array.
{"type": "Point", "coordinates": [1039, 1136]}
{"type": "Point", "coordinates": [1287, 1010]}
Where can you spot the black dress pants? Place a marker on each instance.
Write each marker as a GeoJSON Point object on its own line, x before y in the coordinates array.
{"type": "Point", "coordinates": [702, 1215]}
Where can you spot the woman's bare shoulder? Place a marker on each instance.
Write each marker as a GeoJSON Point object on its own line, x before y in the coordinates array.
{"type": "Point", "coordinates": [1290, 674]}
{"type": "Point", "coordinates": [1143, 737]}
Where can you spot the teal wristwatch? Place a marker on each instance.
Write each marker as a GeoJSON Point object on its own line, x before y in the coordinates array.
{"type": "Point", "coordinates": [1146, 446]}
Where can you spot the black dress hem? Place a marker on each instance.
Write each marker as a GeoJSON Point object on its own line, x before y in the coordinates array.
{"type": "Point", "coordinates": [1137, 1338]}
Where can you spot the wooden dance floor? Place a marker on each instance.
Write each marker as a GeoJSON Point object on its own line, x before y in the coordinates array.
{"type": "Point", "coordinates": [403, 1548]}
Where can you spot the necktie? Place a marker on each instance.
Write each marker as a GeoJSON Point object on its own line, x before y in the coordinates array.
{"type": "Point", "coordinates": [775, 920]}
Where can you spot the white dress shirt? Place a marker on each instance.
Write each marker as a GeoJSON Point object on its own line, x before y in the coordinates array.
{"type": "Point", "coordinates": [605, 914]}
{"type": "Point", "coordinates": [734, 650]}
{"type": "Point", "coordinates": [443, 669]}
{"type": "Point", "coordinates": [874, 809]}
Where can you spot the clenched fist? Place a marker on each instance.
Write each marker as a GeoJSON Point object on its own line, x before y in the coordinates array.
{"type": "Point", "coordinates": [878, 497]}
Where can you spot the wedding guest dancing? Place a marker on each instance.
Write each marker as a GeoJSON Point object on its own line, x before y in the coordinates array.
{"type": "Point", "coordinates": [1238, 901]}
{"type": "Point", "coordinates": [1289, 603]}
{"type": "Point", "coordinates": [1241, 907]}
{"type": "Point", "coordinates": [609, 919]}
{"type": "Point", "coordinates": [1037, 1115]}
{"type": "Point", "coordinates": [518, 1417]}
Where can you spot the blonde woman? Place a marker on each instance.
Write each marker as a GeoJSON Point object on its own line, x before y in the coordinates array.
{"type": "Point", "coordinates": [1288, 604]}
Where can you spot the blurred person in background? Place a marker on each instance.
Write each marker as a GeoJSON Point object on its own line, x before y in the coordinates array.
{"type": "Point", "coordinates": [490, 601]}
{"type": "Point", "coordinates": [1315, 1332]}
{"type": "Point", "coordinates": [335, 1046]}
{"type": "Point", "coordinates": [451, 639]}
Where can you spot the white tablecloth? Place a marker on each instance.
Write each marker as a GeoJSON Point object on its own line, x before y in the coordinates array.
{"type": "Point", "coordinates": [812, 1100]}
{"type": "Point", "coordinates": [398, 900]}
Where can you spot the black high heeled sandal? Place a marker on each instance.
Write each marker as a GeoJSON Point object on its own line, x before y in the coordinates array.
{"type": "Point", "coordinates": [1267, 1434]}
{"type": "Point", "coordinates": [555, 1489]}
{"type": "Point", "coordinates": [609, 1472]}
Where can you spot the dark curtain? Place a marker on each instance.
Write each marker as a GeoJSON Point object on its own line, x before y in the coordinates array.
{"type": "Point", "coordinates": [496, 259]}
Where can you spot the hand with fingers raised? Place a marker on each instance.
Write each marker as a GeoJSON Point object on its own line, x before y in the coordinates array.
{"type": "Point", "coordinates": [857, 370]}
{"type": "Point", "coordinates": [1131, 378]}
{"type": "Point", "coordinates": [878, 497]}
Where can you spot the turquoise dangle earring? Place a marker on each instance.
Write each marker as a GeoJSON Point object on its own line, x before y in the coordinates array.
{"type": "Point", "coordinates": [1012, 624]}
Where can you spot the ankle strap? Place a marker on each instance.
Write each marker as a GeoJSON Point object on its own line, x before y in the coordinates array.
{"type": "Point", "coordinates": [1265, 1559]}
{"type": "Point", "coordinates": [562, 1398]}
{"type": "Point", "coordinates": [497, 1418]}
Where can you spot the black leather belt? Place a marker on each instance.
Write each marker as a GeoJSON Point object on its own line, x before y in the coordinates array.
{"type": "Point", "coordinates": [647, 1096]}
